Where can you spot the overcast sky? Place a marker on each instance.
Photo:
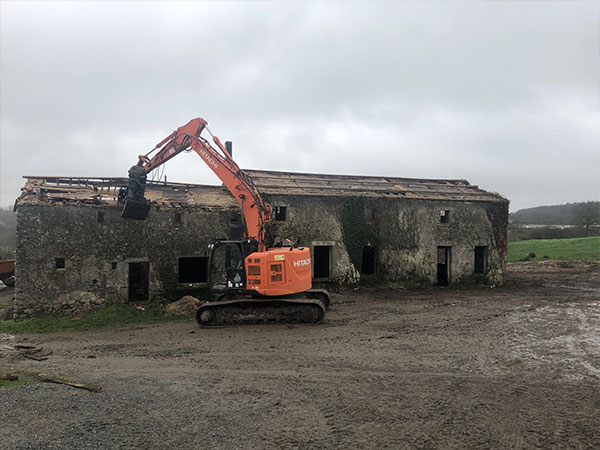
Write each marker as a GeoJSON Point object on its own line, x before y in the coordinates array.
{"type": "Point", "coordinates": [503, 94]}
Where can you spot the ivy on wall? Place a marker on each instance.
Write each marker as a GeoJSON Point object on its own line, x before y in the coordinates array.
{"type": "Point", "coordinates": [498, 215]}
{"type": "Point", "coordinates": [356, 232]}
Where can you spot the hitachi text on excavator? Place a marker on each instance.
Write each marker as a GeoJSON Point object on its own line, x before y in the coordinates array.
{"type": "Point", "coordinates": [256, 282]}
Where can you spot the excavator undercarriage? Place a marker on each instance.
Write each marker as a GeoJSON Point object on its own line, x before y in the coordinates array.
{"type": "Point", "coordinates": [306, 307]}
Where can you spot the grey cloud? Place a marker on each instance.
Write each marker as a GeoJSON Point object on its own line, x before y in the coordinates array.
{"type": "Point", "coordinates": [504, 94]}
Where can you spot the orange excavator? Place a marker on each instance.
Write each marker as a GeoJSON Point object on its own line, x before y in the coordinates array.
{"type": "Point", "coordinates": [255, 283]}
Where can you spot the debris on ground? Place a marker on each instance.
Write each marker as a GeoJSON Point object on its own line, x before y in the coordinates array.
{"type": "Point", "coordinates": [25, 350]}
{"type": "Point", "coordinates": [51, 379]}
{"type": "Point", "coordinates": [87, 387]}
{"type": "Point", "coordinates": [8, 377]}
{"type": "Point", "coordinates": [185, 305]}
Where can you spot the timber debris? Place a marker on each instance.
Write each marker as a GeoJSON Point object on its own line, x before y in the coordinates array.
{"type": "Point", "coordinates": [56, 380]}
{"type": "Point", "coordinates": [8, 377]}
{"type": "Point", "coordinates": [25, 350]}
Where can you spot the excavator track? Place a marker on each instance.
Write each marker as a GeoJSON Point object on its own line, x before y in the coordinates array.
{"type": "Point", "coordinates": [308, 307]}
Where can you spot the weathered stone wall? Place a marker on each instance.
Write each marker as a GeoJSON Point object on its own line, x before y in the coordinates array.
{"type": "Point", "coordinates": [406, 234]}
{"type": "Point", "coordinates": [91, 249]}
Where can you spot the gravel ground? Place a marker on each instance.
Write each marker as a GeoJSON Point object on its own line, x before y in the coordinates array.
{"type": "Point", "coordinates": [512, 367]}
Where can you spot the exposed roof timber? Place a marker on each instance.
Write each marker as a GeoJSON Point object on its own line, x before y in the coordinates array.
{"type": "Point", "coordinates": [96, 190]}
{"type": "Point", "coordinates": [38, 190]}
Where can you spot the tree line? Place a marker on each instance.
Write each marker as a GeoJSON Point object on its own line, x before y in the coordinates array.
{"type": "Point", "coordinates": [583, 219]}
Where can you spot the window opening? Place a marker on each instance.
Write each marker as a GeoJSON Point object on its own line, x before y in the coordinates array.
{"type": "Point", "coordinates": [193, 269]}
{"type": "Point", "coordinates": [280, 213]}
{"type": "Point", "coordinates": [445, 216]}
{"type": "Point", "coordinates": [100, 216]}
{"type": "Point", "coordinates": [322, 261]}
{"type": "Point", "coordinates": [177, 217]}
{"type": "Point", "coordinates": [368, 261]}
{"type": "Point", "coordinates": [369, 214]}
{"type": "Point", "coordinates": [114, 265]}
{"type": "Point", "coordinates": [480, 259]}
{"type": "Point", "coordinates": [59, 263]}
{"type": "Point", "coordinates": [139, 280]}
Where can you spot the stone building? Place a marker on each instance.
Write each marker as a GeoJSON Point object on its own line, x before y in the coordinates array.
{"type": "Point", "coordinates": [74, 251]}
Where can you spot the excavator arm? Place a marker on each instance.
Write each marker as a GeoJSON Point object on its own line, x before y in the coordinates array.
{"type": "Point", "coordinates": [255, 211]}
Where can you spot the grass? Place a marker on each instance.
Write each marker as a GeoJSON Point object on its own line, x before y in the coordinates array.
{"type": "Point", "coordinates": [109, 317]}
{"type": "Point", "coordinates": [573, 248]}
{"type": "Point", "coordinates": [23, 378]}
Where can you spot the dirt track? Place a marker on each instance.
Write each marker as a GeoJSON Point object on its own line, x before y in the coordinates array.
{"type": "Point", "coordinates": [515, 367]}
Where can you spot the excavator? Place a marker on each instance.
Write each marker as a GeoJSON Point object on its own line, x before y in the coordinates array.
{"type": "Point", "coordinates": [254, 282]}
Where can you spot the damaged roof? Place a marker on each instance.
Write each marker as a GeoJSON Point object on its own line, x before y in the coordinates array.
{"type": "Point", "coordinates": [96, 191]}
{"type": "Point", "coordinates": [293, 183]}
{"type": "Point", "coordinates": [40, 189]}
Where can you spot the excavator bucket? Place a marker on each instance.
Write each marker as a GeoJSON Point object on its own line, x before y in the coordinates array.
{"type": "Point", "coordinates": [135, 209]}
{"type": "Point", "coordinates": [135, 205]}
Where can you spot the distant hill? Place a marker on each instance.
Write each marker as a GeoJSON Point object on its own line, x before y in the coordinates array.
{"type": "Point", "coordinates": [547, 215]}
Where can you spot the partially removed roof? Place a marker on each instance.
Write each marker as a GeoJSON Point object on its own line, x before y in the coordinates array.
{"type": "Point", "coordinates": [39, 189]}
{"type": "Point", "coordinates": [97, 191]}
{"type": "Point", "coordinates": [292, 183]}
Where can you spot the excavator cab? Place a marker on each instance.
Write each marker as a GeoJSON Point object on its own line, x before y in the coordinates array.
{"type": "Point", "coordinates": [226, 266]}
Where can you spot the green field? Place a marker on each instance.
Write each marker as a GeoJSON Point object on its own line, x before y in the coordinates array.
{"type": "Point", "coordinates": [575, 248]}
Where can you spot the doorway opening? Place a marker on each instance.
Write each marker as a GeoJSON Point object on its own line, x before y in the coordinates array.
{"type": "Point", "coordinates": [368, 261]}
{"type": "Point", "coordinates": [139, 279]}
{"type": "Point", "coordinates": [480, 259]}
{"type": "Point", "coordinates": [443, 265]}
{"type": "Point", "coordinates": [322, 261]}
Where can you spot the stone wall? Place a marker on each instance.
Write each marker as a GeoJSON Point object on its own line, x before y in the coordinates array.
{"type": "Point", "coordinates": [406, 235]}
{"type": "Point", "coordinates": [97, 251]}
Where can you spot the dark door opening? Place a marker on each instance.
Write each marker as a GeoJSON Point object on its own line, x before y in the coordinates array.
{"type": "Point", "coordinates": [443, 266]}
{"type": "Point", "coordinates": [480, 257]}
{"type": "Point", "coordinates": [139, 278]}
{"type": "Point", "coordinates": [322, 261]}
{"type": "Point", "coordinates": [193, 269]}
{"type": "Point", "coordinates": [368, 261]}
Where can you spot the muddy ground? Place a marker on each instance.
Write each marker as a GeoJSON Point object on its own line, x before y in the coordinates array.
{"type": "Point", "coordinates": [512, 367]}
